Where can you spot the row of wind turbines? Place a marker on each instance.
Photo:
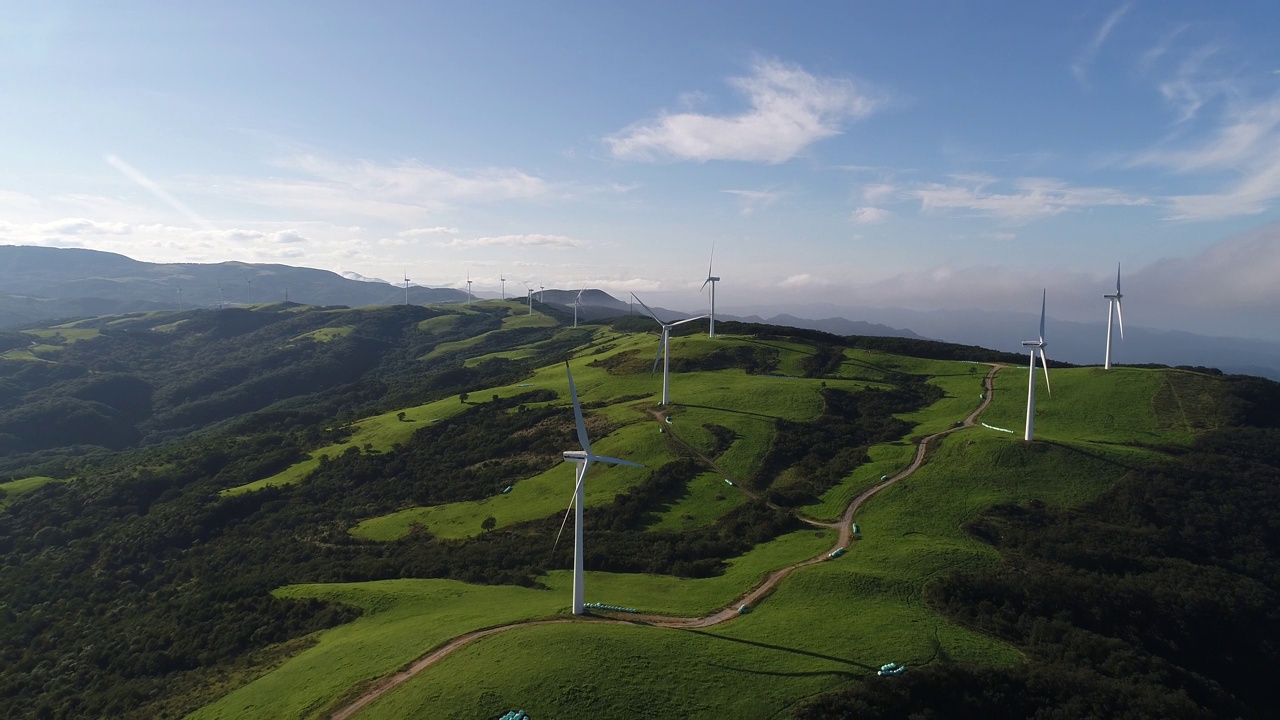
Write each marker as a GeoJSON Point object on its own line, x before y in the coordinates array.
{"type": "Point", "coordinates": [1037, 346]}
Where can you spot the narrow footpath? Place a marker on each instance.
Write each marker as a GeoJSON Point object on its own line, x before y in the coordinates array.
{"type": "Point", "coordinates": [751, 597]}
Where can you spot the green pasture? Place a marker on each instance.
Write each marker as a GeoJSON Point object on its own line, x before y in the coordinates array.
{"type": "Point", "coordinates": [20, 355]}
{"type": "Point", "coordinates": [1092, 405]}
{"type": "Point", "coordinates": [439, 324]}
{"type": "Point", "coordinates": [65, 335]}
{"type": "Point", "coordinates": [326, 334]}
{"type": "Point", "coordinates": [403, 620]}
{"type": "Point", "coordinates": [705, 499]}
{"type": "Point", "coordinates": [537, 497]}
{"type": "Point", "coordinates": [12, 490]}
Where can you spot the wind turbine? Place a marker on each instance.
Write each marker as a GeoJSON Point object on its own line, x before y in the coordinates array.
{"type": "Point", "coordinates": [713, 280]}
{"type": "Point", "coordinates": [179, 297]}
{"type": "Point", "coordinates": [503, 280]}
{"type": "Point", "coordinates": [542, 289]}
{"type": "Point", "coordinates": [1114, 311]}
{"type": "Point", "coordinates": [248, 282]}
{"type": "Point", "coordinates": [663, 345]}
{"type": "Point", "coordinates": [583, 459]}
{"type": "Point", "coordinates": [577, 303]}
{"type": "Point", "coordinates": [468, 288]}
{"type": "Point", "coordinates": [529, 288]}
{"type": "Point", "coordinates": [221, 302]}
{"type": "Point", "coordinates": [406, 286]}
{"type": "Point", "coordinates": [1036, 346]}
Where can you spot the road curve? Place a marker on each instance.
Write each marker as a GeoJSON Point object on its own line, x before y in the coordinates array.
{"type": "Point", "coordinates": [751, 597]}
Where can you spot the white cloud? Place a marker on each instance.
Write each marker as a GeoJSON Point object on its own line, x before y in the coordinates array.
{"type": "Point", "coordinates": [1028, 199]}
{"type": "Point", "coordinates": [1247, 144]}
{"type": "Point", "coordinates": [803, 280]}
{"type": "Point", "coordinates": [518, 241]}
{"type": "Point", "coordinates": [790, 110]}
{"type": "Point", "coordinates": [427, 232]}
{"type": "Point", "coordinates": [79, 226]}
{"type": "Point", "coordinates": [868, 215]}
{"type": "Point", "coordinates": [753, 200]}
{"type": "Point", "coordinates": [1086, 57]}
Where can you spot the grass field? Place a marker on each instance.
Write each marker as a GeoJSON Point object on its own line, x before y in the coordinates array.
{"type": "Point", "coordinates": [12, 490]}
{"type": "Point", "coordinates": [327, 334]}
{"type": "Point", "coordinates": [827, 624]}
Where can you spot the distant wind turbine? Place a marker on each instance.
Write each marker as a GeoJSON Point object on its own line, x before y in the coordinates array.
{"type": "Point", "coordinates": [468, 288]}
{"type": "Point", "coordinates": [542, 289]}
{"type": "Point", "coordinates": [712, 279]}
{"type": "Point", "coordinates": [1036, 346]}
{"type": "Point", "coordinates": [248, 283]}
{"type": "Point", "coordinates": [179, 297]}
{"type": "Point", "coordinates": [503, 280]}
{"type": "Point", "coordinates": [1113, 312]}
{"type": "Point", "coordinates": [583, 459]}
{"type": "Point", "coordinates": [406, 286]}
{"type": "Point", "coordinates": [529, 288]}
{"type": "Point", "coordinates": [221, 301]}
{"type": "Point", "coordinates": [663, 349]}
{"type": "Point", "coordinates": [577, 303]}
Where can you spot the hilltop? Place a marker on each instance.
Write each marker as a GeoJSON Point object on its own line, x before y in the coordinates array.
{"type": "Point", "coordinates": [282, 505]}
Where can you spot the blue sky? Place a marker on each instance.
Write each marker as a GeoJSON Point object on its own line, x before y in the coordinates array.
{"type": "Point", "coordinates": [914, 154]}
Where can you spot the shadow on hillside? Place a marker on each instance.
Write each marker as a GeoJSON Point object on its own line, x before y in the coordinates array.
{"type": "Point", "coordinates": [779, 348]}
{"type": "Point", "coordinates": [781, 648]}
{"type": "Point", "coordinates": [1109, 460]}
{"type": "Point", "coordinates": [736, 412]}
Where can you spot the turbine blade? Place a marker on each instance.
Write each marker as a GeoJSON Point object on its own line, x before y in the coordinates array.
{"type": "Point", "coordinates": [704, 284]}
{"type": "Point", "coordinates": [681, 322]}
{"type": "Point", "coordinates": [1117, 278]}
{"type": "Point", "coordinates": [657, 358]}
{"type": "Point", "coordinates": [1044, 363]}
{"type": "Point", "coordinates": [580, 294]}
{"type": "Point", "coordinates": [582, 475]}
{"type": "Point", "coordinates": [1120, 313]}
{"type": "Point", "coordinates": [577, 413]}
{"type": "Point", "coordinates": [615, 461]}
{"type": "Point", "coordinates": [713, 258]}
{"type": "Point", "coordinates": [646, 308]}
{"type": "Point", "coordinates": [1043, 298]}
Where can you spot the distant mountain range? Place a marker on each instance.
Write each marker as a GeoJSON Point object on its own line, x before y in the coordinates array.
{"type": "Point", "coordinates": [41, 284]}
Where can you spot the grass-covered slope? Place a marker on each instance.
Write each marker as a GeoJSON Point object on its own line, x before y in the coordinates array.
{"type": "Point", "coordinates": [226, 551]}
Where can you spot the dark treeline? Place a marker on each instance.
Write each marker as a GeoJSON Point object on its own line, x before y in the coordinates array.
{"type": "Point", "coordinates": [1161, 598]}
{"type": "Point", "coordinates": [828, 448]}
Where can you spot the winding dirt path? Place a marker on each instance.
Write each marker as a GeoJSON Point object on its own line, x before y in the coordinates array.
{"type": "Point", "coordinates": [751, 597]}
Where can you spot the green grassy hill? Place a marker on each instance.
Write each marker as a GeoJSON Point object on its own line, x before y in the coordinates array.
{"type": "Point", "coordinates": [307, 500]}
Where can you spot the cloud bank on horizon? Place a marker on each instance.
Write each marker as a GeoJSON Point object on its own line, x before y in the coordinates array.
{"type": "Point", "coordinates": [959, 156]}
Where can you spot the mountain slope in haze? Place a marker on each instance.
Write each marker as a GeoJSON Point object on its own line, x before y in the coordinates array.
{"type": "Point", "coordinates": [39, 283]}
{"type": "Point", "coordinates": [1081, 343]}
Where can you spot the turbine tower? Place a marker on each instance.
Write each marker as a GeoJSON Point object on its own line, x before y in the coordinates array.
{"type": "Point", "coordinates": [542, 289]}
{"type": "Point", "coordinates": [503, 280]}
{"type": "Point", "coordinates": [663, 346]}
{"type": "Point", "coordinates": [529, 288]}
{"type": "Point", "coordinates": [221, 301]}
{"type": "Point", "coordinates": [577, 303]}
{"type": "Point", "coordinates": [582, 459]}
{"type": "Point", "coordinates": [1113, 312]}
{"type": "Point", "coordinates": [406, 286]}
{"type": "Point", "coordinates": [1036, 346]}
{"type": "Point", "coordinates": [468, 288]}
{"type": "Point", "coordinates": [713, 280]}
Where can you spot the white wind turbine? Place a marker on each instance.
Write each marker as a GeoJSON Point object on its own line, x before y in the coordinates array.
{"type": "Point", "coordinates": [503, 280]}
{"type": "Point", "coordinates": [577, 303]}
{"type": "Point", "coordinates": [583, 459]}
{"type": "Point", "coordinates": [542, 289]}
{"type": "Point", "coordinates": [529, 288]}
{"type": "Point", "coordinates": [713, 280]}
{"type": "Point", "coordinates": [1113, 312]}
{"type": "Point", "coordinates": [1036, 346]}
{"type": "Point", "coordinates": [468, 288]}
{"type": "Point", "coordinates": [406, 286]}
{"type": "Point", "coordinates": [663, 346]}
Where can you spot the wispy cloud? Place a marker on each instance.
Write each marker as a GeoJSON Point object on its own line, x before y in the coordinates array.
{"type": "Point", "coordinates": [1247, 144]}
{"type": "Point", "coordinates": [518, 241]}
{"type": "Point", "coordinates": [1081, 66]}
{"type": "Point", "coordinates": [753, 200]}
{"type": "Point", "coordinates": [803, 280]}
{"type": "Point", "coordinates": [1027, 199]}
{"type": "Point", "coordinates": [868, 215]}
{"type": "Point", "coordinates": [789, 110]}
{"type": "Point", "coordinates": [155, 189]}
{"type": "Point", "coordinates": [427, 232]}
{"type": "Point", "coordinates": [403, 193]}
